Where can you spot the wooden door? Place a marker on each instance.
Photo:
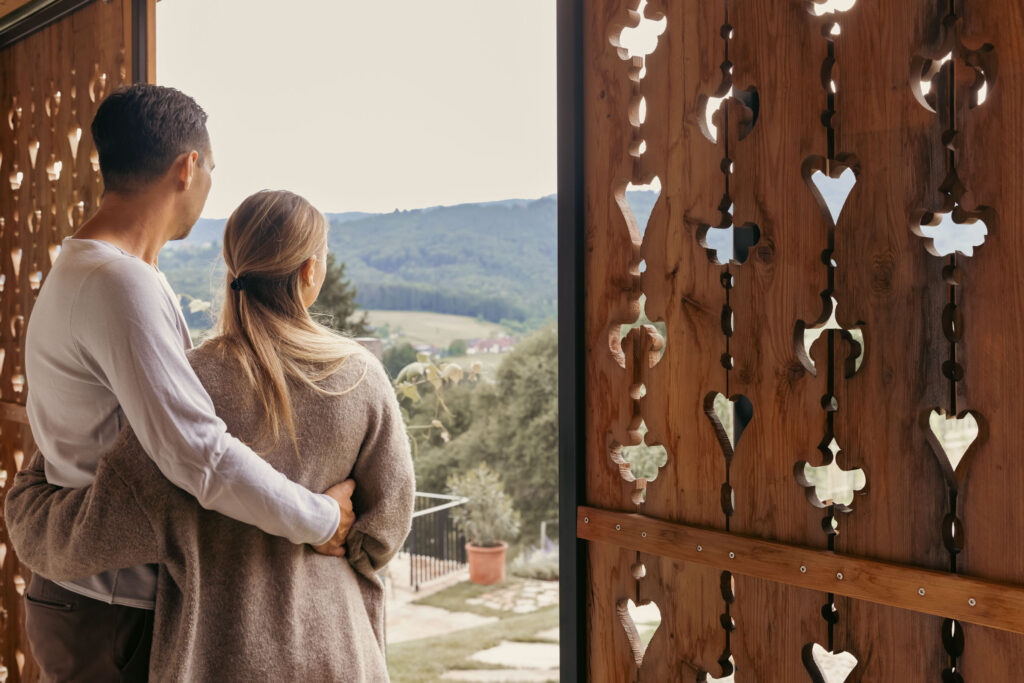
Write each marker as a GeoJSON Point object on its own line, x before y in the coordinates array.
{"type": "Point", "coordinates": [58, 60]}
{"type": "Point", "coordinates": [808, 459]}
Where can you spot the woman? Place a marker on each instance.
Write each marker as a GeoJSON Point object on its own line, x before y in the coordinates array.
{"type": "Point", "coordinates": [234, 603]}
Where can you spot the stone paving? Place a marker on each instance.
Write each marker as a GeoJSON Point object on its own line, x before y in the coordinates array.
{"type": "Point", "coordinates": [513, 662]}
{"type": "Point", "coordinates": [412, 622]}
{"type": "Point", "coordinates": [507, 653]}
{"type": "Point", "coordinates": [521, 598]}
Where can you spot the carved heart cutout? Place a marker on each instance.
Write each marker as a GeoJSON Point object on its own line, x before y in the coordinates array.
{"type": "Point", "coordinates": [827, 667]}
{"type": "Point", "coordinates": [954, 440]}
{"type": "Point", "coordinates": [74, 137]}
{"type": "Point", "coordinates": [16, 261]}
{"type": "Point", "coordinates": [729, 417]}
{"type": "Point", "coordinates": [830, 181]}
{"type": "Point", "coordinates": [636, 203]}
{"type": "Point", "coordinates": [640, 622]}
{"type": "Point", "coordinates": [33, 151]}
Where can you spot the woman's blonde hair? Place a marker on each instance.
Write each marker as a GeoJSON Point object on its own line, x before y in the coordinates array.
{"type": "Point", "coordinates": [264, 324]}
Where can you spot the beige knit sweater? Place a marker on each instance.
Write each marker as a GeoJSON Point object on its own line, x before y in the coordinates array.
{"type": "Point", "coordinates": [233, 603]}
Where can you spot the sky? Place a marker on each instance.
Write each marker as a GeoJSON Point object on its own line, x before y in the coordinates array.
{"type": "Point", "coordinates": [369, 106]}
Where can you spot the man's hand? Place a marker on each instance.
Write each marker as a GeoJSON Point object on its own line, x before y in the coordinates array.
{"type": "Point", "coordinates": [342, 494]}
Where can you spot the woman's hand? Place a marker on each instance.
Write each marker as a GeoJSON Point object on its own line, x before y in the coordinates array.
{"type": "Point", "coordinates": [342, 494]}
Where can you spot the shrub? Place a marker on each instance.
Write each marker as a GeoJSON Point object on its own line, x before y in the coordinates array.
{"type": "Point", "coordinates": [488, 517]}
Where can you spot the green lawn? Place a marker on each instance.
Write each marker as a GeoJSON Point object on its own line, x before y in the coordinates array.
{"type": "Point", "coordinates": [436, 329]}
{"type": "Point", "coordinates": [454, 599]}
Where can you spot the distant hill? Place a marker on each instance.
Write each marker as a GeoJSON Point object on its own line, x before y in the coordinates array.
{"type": "Point", "coordinates": [211, 230]}
{"type": "Point", "coordinates": [496, 260]}
{"type": "Point", "coordinates": [493, 260]}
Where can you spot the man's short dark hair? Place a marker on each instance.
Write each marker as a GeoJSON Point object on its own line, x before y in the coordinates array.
{"type": "Point", "coordinates": [139, 131]}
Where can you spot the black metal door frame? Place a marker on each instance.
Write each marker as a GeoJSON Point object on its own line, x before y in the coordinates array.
{"type": "Point", "coordinates": [571, 346]}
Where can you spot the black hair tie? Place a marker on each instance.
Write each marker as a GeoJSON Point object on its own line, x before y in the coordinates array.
{"type": "Point", "coordinates": [238, 284]}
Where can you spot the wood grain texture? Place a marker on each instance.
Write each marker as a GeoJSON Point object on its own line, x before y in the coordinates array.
{"type": "Point", "coordinates": [680, 283]}
{"type": "Point", "coordinates": [886, 280]}
{"type": "Point", "coordinates": [611, 252]}
{"type": "Point", "coordinates": [997, 605]}
{"type": "Point", "coordinates": [992, 166]}
{"type": "Point", "coordinates": [690, 638]}
{"type": "Point", "coordinates": [767, 648]}
{"type": "Point", "coordinates": [50, 85]}
{"type": "Point", "coordinates": [8, 6]}
{"type": "Point", "coordinates": [610, 657]}
{"type": "Point", "coordinates": [776, 50]}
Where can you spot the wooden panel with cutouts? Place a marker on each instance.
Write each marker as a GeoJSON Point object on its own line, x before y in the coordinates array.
{"type": "Point", "coordinates": [813, 338]}
{"type": "Point", "coordinates": [50, 85]}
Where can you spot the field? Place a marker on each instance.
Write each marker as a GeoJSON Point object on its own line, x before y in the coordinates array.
{"type": "Point", "coordinates": [435, 329]}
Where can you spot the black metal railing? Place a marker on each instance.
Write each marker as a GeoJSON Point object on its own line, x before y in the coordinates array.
{"type": "Point", "coordinates": [435, 546]}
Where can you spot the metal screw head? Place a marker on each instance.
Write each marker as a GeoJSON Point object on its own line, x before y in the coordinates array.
{"type": "Point", "coordinates": [618, 527]}
{"type": "Point", "coordinates": [920, 591]}
{"type": "Point", "coordinates": [586, 520]}
{"type": "Point", "coordinates": [732, 556]}
{"type": "Point", "coordinates": [699, 549]}
{"type": "Point", "coordinates": [643, 534]}
{"type": "Point", "coordinates": [839, 575]}
{"type": "Point", "coordinates": [803, 569]}
{"type": "Point", "coordinates": [972, 602]}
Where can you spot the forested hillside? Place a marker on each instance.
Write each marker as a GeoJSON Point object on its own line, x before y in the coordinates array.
{"type": "Point", "coordinates": [495, 260]}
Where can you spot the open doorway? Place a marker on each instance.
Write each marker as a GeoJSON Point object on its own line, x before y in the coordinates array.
{"type": "Point", "coordinates": [426, 132]}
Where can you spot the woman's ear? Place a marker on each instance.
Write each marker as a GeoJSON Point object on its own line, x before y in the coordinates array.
{"type": "Point", "coordinates": [308, 271]}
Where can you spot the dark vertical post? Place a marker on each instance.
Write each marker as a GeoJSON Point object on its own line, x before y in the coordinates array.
{"type": "Point", "coordinates": [141, 55]}
{"type": "Point", "coordinates": [571, 424]}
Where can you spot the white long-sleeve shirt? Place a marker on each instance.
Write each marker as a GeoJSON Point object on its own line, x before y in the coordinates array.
{"type": "Point", "coordinates": [106, 344]}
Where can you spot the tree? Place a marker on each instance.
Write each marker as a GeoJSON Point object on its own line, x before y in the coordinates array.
{"type": "Point", "coordinates": [457, 348]}
{"type": "Point", "coordinates": [337, 301]}
{"type": "Point", "coordinates": [513, 427]}
{"type": "Point", "coordinates": [397, 357]}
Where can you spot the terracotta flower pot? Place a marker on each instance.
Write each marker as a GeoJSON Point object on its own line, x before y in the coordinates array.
{"type": "Point", "coordinates": [486, 565]}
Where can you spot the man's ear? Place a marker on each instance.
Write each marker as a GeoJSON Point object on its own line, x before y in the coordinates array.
{"type": "Point", "coordinates": [186, 164]}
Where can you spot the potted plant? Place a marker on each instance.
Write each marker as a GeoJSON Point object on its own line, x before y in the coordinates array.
{"type": "Point", "coordinates": [487, 519]}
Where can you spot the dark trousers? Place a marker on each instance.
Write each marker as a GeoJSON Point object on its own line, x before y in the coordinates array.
{"type": "Point", "coordinates": [75, 638]}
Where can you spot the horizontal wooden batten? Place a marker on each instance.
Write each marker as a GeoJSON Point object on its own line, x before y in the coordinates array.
{"type": "Point", "coordinates": [967, 599]}
{"type": "Point", "coordinates": [13, 412]}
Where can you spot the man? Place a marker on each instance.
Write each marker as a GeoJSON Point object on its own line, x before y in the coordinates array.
{"type": "Point", "coordinates": [106, 345]}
